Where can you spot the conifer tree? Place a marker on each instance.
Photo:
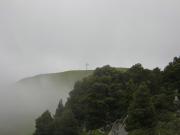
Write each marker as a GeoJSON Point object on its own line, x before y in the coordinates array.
{"type": "Point", "coordinates": [59, 109]}
{"type": "Point", "coordinates": [44, 124]}
{"type": "Point", "coordinates": [66, 124]}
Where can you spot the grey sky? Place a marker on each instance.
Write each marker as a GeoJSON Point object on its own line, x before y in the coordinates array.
{"type": "Point", "coordinates": [40, 36]}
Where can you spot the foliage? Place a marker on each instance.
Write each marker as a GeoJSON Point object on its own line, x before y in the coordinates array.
{"type": "Point", "coordinates": [59, 109]}
{"type": "Point", "coordinates": [171, 74]}
{"type": "Point", "coordinates": [141, 113]}
{"type": "Point", "coordinates": [99, 100]}
{"type": "Point", "coordinates": [44, 124]}
{"type": "Point", "coordinates": [170, 127]}
{"type": "Point", "coordinates": [66, 124]}
{"type": "Point", "coordinates": [145, 96]}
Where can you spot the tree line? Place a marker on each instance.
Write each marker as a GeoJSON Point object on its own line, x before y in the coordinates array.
{"type": "Point", "coordinates": [148, 101]}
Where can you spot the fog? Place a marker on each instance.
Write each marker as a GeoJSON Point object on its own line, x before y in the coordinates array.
{"type": "Point", "coordinates": [21, 104]}
{"type": "Point", "coordinates": [44, 36]}
{"type": "Point", "coordinates": [41, 36]}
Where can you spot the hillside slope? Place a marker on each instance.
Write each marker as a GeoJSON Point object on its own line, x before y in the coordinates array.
{"type": "Point", "coordinates": [62, 82]}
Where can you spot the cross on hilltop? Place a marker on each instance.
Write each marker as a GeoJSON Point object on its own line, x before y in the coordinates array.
{"type": "Point", "coordinates": [87, 66]}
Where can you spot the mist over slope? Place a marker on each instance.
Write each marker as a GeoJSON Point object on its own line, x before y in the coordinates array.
{"type": "Point", "coordinates": [62, 82]}
{"type": "Point", "coordinates": [23, 102]}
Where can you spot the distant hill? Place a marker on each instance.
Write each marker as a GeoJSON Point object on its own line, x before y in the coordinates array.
{"type": "Point", "coordinates": [62, 82]}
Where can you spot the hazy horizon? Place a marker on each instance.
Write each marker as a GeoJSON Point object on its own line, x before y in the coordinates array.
{"type": "Point", "coordinates": [42, 36]}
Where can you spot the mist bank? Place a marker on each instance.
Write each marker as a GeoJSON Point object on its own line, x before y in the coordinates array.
{"type": "Point", "coordinates": [22, 102]}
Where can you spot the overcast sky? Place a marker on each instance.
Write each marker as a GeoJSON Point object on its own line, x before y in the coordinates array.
{"type": "Point", "coordinates": [42, 36]}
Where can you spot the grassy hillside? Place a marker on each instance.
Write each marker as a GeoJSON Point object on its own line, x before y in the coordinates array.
{"type": "Point", "coordinates": [62, 82]}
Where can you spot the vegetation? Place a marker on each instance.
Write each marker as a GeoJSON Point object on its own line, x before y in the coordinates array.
{"type": "Point", "coordinates": [44, 124]}
{"type": "Point", "coordinates": [146, 99]}
{"type": "Point", "coordinates": [141, 112]}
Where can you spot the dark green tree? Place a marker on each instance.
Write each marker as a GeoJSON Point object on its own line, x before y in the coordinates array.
{"type": "Point", "coordinates": [44, 124]}
{"type": "Point", "coordinates": [66, 124]}
{"type": "Point", "coordinates": [99, 99]}
{"type": "Point", "coordinates": [136, 73]}
{"type": "Point", "coordinates": [59, 109]}
{"type": "Point", "coordinates": [171, 75]}
{"type": "Point", "coordinates": [141, 114]}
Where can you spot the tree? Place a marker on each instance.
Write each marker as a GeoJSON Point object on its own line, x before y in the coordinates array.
{"type": "Point", "coordinates": [141, 114]}
{"type": "Point", "coordinates": [171, 75]}
{"type": "Point", "coordinates": [44, 124]}
{"type": "Point", "coordinates": [136, 73]}
{"type": "Point", "coordinates": [100, 99]}
{"type": "Point", "coordinates": [59, 109]}
{"type": "Point", "coordinates": [66, 124]}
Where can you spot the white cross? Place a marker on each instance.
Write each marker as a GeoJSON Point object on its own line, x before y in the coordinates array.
{"type": "Point", "coordinates": [87, 66]}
